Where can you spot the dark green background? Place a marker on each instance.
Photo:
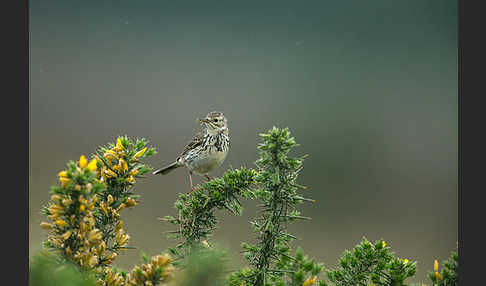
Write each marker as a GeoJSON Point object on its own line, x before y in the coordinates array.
{"type": "Point", "coordinates": [368, 88]}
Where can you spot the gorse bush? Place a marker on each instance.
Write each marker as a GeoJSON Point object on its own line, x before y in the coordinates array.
{"type": "Point", "coordinates": [371, 263]}
{"type": "Point", "coordinates": [85, 226]}
{"type": "Point", "coordinates": [447, 276]}
{"type": "Point", "coordinates": [86, 232]}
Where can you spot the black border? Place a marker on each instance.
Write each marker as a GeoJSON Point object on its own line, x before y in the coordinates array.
{"type": "Point", "coordinates": [15, 141]}
{"type": "Point", "coordinates": [471, 21]}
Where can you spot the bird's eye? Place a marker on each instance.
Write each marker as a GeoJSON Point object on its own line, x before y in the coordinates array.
{"type": "Point", "coordinates": [215, 119]}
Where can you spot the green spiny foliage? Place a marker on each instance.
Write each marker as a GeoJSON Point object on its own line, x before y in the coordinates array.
{"type": "Point", "coordinates": [291, 271]}
{"type": "Point", "coordinates": [277, 174]}
{"type": "Point", "coordinates": [297, 270]}
{"type": "Point", "coordinates": [371, 262]}
{"type": "Point", "coordinates": [196, 211]}
{"type": "Point", "coordinates": [448, 275]}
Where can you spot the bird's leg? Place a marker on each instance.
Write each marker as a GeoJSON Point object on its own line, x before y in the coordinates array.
{"type": "Point", "coordinates": [207, 177]}
{"type": "Point", "coordinates": [190, 180]}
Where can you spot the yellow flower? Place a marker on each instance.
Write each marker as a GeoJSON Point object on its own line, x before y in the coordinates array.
{"type": "Point", "coordinates": [62, 174]}
{"type": "Point", "coordinates": [61, 223]}
{"type": "Point", "coordinates": [45, 225]}
{"type": "Point", "coordinates": [83, 162]}
{"type": "Point", "coordinates": [110, 199]}
{"type": "Point", "coordinates": [66, 235]}
{"type": "Point", "coordinates": [121, 207]}
{"type": "Point", "coordinates": [109, 173]}
{"type": "Point", "coordinates": [438, 276]}
{"type": "Point", "coordinates": [95, 235]}
{"type": "Point", "coordinates": [205, 243]}
{"type": "Point", "coordinates": [167, 273]}
{"type": "Point", "coordinates": [133, 172]}
{"type": "Point", "coordinates": [164, 259]}
{"type": "Point", "coordinates": [119, 145]}
{"type": "Point", "coordinates": [64, 181]}
{"type": "Point", "coordinates": [405, 261]}
{"type": "Point", "coordinates": [140, 153]}
{"type": "Point", "coordinates": [69, 252]}
{"type": "Point", "coordinates": [55, 209]}
{"type": "Point", "coordinates": [67, 202]}
{"type": "Point", "coordinates": [104, 208]}
{"type": "Point", "coordinates": [55, 198]}
{"type": "Point", "coordinates": [383, 244]}
{"type": "Point", "coordinates": [82, 200]}
{"type": "Point", "coordinates": [130, 202]}
{"type": "Point", "coordinates": [82, 208]}
{"type": "Point", "coordinates": [92, 165]}
{"type": "Point", "coordinates": [309, 281]}
{"type": "Point", "coordinates": [130, 179]}
{"type": "Point", "coordinates": [123, 165]}
{"type": "Point", "coordinates": [119, 226]}
{"type": "Point", "coordinates": [53, 216]}
{"type": "Point", "coordinates": [436, 265]}
{"type": "Point", "coordinates": [93, 260]}
{"type": "Point", "coordinates": [110, 258]}
{"type": "Point", "coordinates": [77, 187]}
{"type": "Point", "coordinates": [109, 154]}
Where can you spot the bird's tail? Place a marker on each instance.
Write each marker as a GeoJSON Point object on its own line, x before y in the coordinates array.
{"type": "Point", "coordinates": [167, 169]}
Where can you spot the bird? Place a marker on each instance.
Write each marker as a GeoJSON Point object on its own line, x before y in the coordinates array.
{"type": "Point", "coordinates": [206, 151]}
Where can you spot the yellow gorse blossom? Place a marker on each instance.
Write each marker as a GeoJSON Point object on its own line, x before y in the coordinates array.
{"type": "Point", "coordinates": [438, 276]}
{"type": "Point", "coordinates": [61, 223]}
{"type": "Point", "coordinates": [123, 165]}
{"type": "Point", "coordinates": [436, 265]}
{"type": "Point", "coordinates": [146, 274]}
{"type": "Point", "coordinates": [131, 202]}
{"type": "Point", "coordinates": [405, 261]}
{"type": "Point", "coordinates": [83, 162]}
{"type": "Point", "coordinates": [64, 181]}
{"type": "Point", "coordinates": [383, 244]}
{"type": "Point", "coordinates": [62, 174]}
{"type": "Point", "coordinates": [92, 166]}
{"type": "Point", "coordinates": [205, 243]}
{"type": "Point", "coordinates": [110, 155]}
{"type": "Point", "coordinates": [140, 153]}
{"type": "Point", "coordinates": [121, 207]}
{"type": "Point", "coordinates": [310, 281]}
{"type": "Point", "coordinates": [110, 199]}
{"type": "Point", "coordinates": [55, 198]}
{"type": "Point", "coordinates": [119, 144]}
{"type": "Point", "coordinates": [133, 172]}
{"type": "Point", "coordinates": [45, 225]}
{"type": "Point", "coordinates": [66, 235]}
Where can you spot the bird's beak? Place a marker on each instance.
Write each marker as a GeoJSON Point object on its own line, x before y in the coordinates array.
{"type": "Point", "coordinates": [204, 120]}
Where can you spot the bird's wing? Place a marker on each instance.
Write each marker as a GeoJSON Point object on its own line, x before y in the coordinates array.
{"type": "Point", "coordinates": [197, 140]}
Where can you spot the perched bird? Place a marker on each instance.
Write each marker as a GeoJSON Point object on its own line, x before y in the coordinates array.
{"type": "Point", "coordinates": [206, 151]}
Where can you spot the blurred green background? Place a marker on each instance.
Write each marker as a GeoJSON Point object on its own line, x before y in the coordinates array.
{"type": "Point", "coordinates": [368, 88]}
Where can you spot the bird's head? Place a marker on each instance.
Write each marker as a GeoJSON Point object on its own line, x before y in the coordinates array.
{"type": "Point", "coordinates": [215, 122]}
